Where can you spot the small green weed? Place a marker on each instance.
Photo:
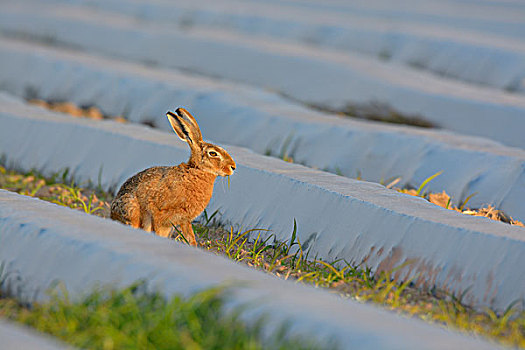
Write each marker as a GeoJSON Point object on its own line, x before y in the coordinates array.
{"type": "Point", "coordinates": [134, 318]}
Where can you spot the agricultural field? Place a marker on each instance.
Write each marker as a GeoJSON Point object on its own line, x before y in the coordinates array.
{"type": "Point", "coordinates": [275, 258]}
{"type": "Point", "coordinates": [380, 161]}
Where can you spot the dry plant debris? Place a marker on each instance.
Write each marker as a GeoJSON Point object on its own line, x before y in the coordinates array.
{"type": "Point", "coordinates": [444, 200]}
{"type": "Point", "coordinates": [259, 249]}
{"type": "Point", "coordinates": [70, 108]}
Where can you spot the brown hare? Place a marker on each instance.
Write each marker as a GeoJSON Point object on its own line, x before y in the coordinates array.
{"type": "Point", "coordinates": [158, 198]}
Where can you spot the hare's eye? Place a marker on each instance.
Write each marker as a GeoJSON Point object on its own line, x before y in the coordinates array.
{"type": "Point", "coordinates": [212, 153]}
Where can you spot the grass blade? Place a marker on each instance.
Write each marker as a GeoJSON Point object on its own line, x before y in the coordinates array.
{"type": "Point", "coordinates": [427, 180]}
{"type": "Point", "coordinates": [466, 201]}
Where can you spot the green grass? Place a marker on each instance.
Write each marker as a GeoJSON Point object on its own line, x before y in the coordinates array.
{"type": "Point", "coordinates": [359, 283]}
{"type": "Point", "coordinates": [135, 318]}
{"type": "Point", "coordinates": [58, 189]}
{"type": "Point", "coordinates": [260, 249]}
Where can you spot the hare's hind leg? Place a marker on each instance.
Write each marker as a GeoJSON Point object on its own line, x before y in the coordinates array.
{"type": "Point", "coordinates": [126, 210]}
{"type": "Point", "coordinates": [133, 214]}
{"type": "Point", "coordinates": [187, 231]}
{"type": "Point", "coordinates": [135, 221]}
{"type": "Point", "coordinates": [146, 221]}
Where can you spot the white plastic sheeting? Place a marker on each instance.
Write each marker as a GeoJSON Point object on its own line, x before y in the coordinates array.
{"type": "Point", "coordinates": [264, 122]}
{"type": "Point", "coordinates": [472, 41]}
{"type": "Point", "coordinates": [43, 243]}
{"type": "Point", "coordinates": [308, 74]}
{"type": "Point", "coordinates": [337, 217]}
{"type": "Point", "coordinates": [16, 337]}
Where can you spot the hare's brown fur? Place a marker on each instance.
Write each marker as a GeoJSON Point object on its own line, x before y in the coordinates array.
{"type": "Point", "coordinates": [158, 198]}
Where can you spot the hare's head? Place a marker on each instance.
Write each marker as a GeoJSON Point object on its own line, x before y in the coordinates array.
{"type": "Point", "coordinates": [204, 155]}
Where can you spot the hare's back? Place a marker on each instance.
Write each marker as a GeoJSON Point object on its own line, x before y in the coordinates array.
{"type": "Point", "coordinates": [146, 178]}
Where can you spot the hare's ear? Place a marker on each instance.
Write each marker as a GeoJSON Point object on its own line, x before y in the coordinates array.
{"type": "Point", "coordinates": [185, 126]}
